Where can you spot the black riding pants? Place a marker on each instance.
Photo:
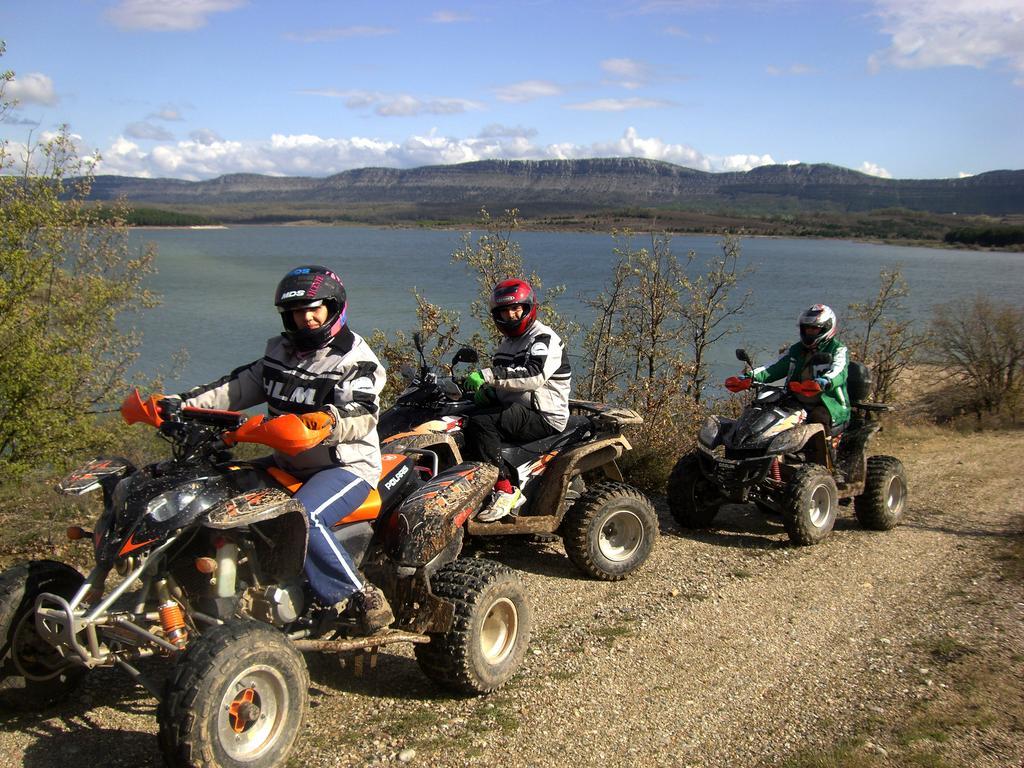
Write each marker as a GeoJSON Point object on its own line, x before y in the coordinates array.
{"type": "Point", "coordinates": [487, 429]}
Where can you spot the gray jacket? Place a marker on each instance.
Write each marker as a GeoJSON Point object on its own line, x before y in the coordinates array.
{"type": "Point", "coordinates": [533, 369]}
{"type": "Point", "coordinates": [344, 379]}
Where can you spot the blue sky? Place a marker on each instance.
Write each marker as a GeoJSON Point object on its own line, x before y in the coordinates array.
{"type": "Point", "coordinates": [197, 88]}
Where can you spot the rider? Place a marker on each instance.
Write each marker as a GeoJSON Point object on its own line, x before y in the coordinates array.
{"type": "Point", "coordinates": [818, 356]}
{"type": "Point", "coordinates": [523, 396]}
{"type": "Point", "coordinates": [321, 371]}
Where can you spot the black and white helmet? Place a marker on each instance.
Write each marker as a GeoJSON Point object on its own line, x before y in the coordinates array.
{"type": "Point", "coordinates": [308, 287]}
{"type": "Point", "coordinates": [817, 324]}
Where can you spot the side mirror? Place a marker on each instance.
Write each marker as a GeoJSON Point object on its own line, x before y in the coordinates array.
{"type": "Point", "coordinates": [465, 355]}
{"type": "Point", "coordinates": [821, 358]}
{"type": "Point", "coordinates": [743, 357]}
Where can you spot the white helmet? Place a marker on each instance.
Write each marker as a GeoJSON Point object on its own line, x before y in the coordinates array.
{"type": "Point", "coordinates": [819, 317]}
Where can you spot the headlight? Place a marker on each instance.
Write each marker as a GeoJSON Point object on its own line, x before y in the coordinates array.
{"type": "Point", "coordinates": [708, 434]}
{"type": "Point", "coordinates": [168, 504]}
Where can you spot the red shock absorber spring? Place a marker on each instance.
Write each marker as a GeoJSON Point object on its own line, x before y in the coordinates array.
{"type": "Point", "coordinates": [173, 622]}
{"type": "Point", "coordinates": [776, 471]}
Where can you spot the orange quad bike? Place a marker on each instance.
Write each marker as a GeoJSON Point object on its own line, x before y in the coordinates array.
{"type": "Point", "coordinates": [206, 554]}
{"type": "Point", "coordinates": [571, 480]}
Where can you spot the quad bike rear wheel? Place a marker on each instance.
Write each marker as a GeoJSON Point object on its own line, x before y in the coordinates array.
{"type": "Point", "coordinates": [610, 531]}
{"type": "Point", "coordinates": [810, 505]}
{"type": "Point", "coordinates": [236, 698]}
{"type": "Point", "coordinates": [490, 633]}
{"type": "Point", "coordinates": [692, 500]}
{"type": "Point", "coordinates": [884, 501]}
{"type": "Point", "coordinates": [32, 672]}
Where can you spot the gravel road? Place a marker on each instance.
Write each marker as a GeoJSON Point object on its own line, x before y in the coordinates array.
{"type": "Point", "coordinates": [729, 648]}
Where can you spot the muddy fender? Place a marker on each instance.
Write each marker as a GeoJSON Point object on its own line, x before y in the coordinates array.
{"type": "Point", "coordinates": [281, 519]}
{"type": "Point", "coordinates": [429, 520]}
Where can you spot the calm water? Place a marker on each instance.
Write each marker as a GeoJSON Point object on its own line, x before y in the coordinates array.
{"type": "Point", "coordinates": [217, 285]}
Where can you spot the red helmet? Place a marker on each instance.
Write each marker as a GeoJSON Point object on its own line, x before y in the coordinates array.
{"type": "Point", "coordinates": [311, 286]}
{"type": "Point", "coordinates": [509, 293]}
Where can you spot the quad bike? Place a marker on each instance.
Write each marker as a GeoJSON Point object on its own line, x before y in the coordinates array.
{"type": "Point", "coordinates": [772, 457]}
{"type": "Point", "coordinates": [608, 527]}
{"type": "Point", "coordinates": [210, 551]}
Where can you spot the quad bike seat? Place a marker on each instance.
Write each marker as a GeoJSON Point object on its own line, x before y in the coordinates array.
{"type": "Point", "coordinates": [398, 473]}
{"type": "Point", "coordinates": [576, 428]}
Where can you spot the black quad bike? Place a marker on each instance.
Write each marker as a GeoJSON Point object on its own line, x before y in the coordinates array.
{"type": "Point", "coordinates": [772, 457]}
{"type": "Point", "coordinates": [573, 486]}
{"type": "Point", "coordinates": [208, 553]}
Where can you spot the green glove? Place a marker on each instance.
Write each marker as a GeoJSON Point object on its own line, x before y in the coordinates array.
{"type": "Point", "coordinates": [474, 381]}
{"type": "Point", "coordinates": [485, 396]}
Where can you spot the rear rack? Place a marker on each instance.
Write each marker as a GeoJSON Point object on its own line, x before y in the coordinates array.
{"type": "Point", "coordinates": [603, 412]}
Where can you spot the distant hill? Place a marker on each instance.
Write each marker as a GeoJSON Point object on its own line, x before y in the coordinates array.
{"type": "Point", "coordinates": [581, 185]}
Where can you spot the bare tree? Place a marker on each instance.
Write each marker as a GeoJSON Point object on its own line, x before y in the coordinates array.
{"type": "Point", "coordinates": [884, 337]}
{"type": "Point", "coordinates": [980, 344]}
{"type": "Point", "coordinates": [495, 256]}
{"type": "Point", "coordinates": [710, 308]}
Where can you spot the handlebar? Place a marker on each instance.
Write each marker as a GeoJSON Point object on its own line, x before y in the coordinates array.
{"type": "Point", "coordinates": [741, 383]}
{"type": "Point", "coordinates": [286, 433]}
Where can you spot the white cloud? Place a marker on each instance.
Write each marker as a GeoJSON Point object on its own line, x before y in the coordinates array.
{"type": "Point", "coordinates": [498, 131]}
{"type": "Point", "coordinates": [397, 104]}
{"type": "Point", "coordinates": [144, 130]}
{"type": "Point", "coordinates": [872, 169]}
{"type": "Point", "coordinates": [33, 88]}
{"type": "Point", "coordinates": [742, 162]}
{"type": "Point", "coordinates": [620, 105]}
{"type": "Point", "coordinates": [308, 155]}
{"type": "Point", "coordinates": [527, 90]}
{"type": "Point", "coordinates": [627, 73]}
{"type": "Point", "coordinates": [168, 15]}
{"type": "Point", "coordinates": [334, 33]}
{"type": "Point", "coordinates": [941, 33]}
{"type": "Point", "coordinates": [964, 175]}
{"type": "Point", "coordinates": [674, 31]}
{"type": "Point", "coordinates": [449, 17]}
{"type": "Point", "coordinates": [169, 113]}
{"type": "Point", "coordinates": [205, 136]}
{"type": "Point", "coordinates": [792, 69]}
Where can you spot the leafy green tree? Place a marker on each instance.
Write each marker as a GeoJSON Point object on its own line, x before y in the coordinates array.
{"type": "Point", "coordinates": [67, 280]}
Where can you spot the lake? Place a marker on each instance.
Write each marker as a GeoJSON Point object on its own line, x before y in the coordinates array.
{"type": "Point", "coordinates": [217, 284]}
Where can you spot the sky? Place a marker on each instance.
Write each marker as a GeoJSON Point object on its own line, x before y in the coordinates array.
{"type": "Point", "coordinates": [194, 89]}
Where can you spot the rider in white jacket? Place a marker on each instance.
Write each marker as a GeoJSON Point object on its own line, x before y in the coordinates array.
{"type": "Point", "coordinates": [524, 395]}
{"type": "Point", "coordinates": [321, 371]}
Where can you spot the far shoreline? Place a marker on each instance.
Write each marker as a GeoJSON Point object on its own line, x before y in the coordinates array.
{"type": "Point", "coordinates": [470, 227]}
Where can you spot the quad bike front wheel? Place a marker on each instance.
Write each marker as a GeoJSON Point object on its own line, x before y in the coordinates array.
{"type": "Point", "coordinates": [491, 630]}
{"type": "Point", "coordinates": [610, 531]}
{"type": "Point", "coordinates": [33, 673]}
{"type": "Point", "coordinates": [692, 500]}
{"type": "Point", "coordinates": [236, 698]}
{"type": "Point", "coordinates": [810, 505]}
{"type": "Point", "coordinates": [884, 501]}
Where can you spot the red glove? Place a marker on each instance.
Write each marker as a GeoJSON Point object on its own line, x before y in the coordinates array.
{"type": "Point", "coordinates": [805, 388]}
{"type": "Point", "coordinates": [738, 383]}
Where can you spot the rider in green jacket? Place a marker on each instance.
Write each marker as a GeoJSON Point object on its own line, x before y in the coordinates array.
{"type": "Point", "coordinates": [818, 356]}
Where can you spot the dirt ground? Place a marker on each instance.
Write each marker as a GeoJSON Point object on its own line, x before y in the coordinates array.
{"type": "Point", "coordinates": [729, 648]}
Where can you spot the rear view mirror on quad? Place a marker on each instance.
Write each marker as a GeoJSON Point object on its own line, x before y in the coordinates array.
{"type": "Point", "coordinates": [465, 355]}
{"type": "Point", "coordinates": [743, 357]}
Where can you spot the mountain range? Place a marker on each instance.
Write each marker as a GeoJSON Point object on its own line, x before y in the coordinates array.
{"type": "Point", "coordinates": [585, 185]}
